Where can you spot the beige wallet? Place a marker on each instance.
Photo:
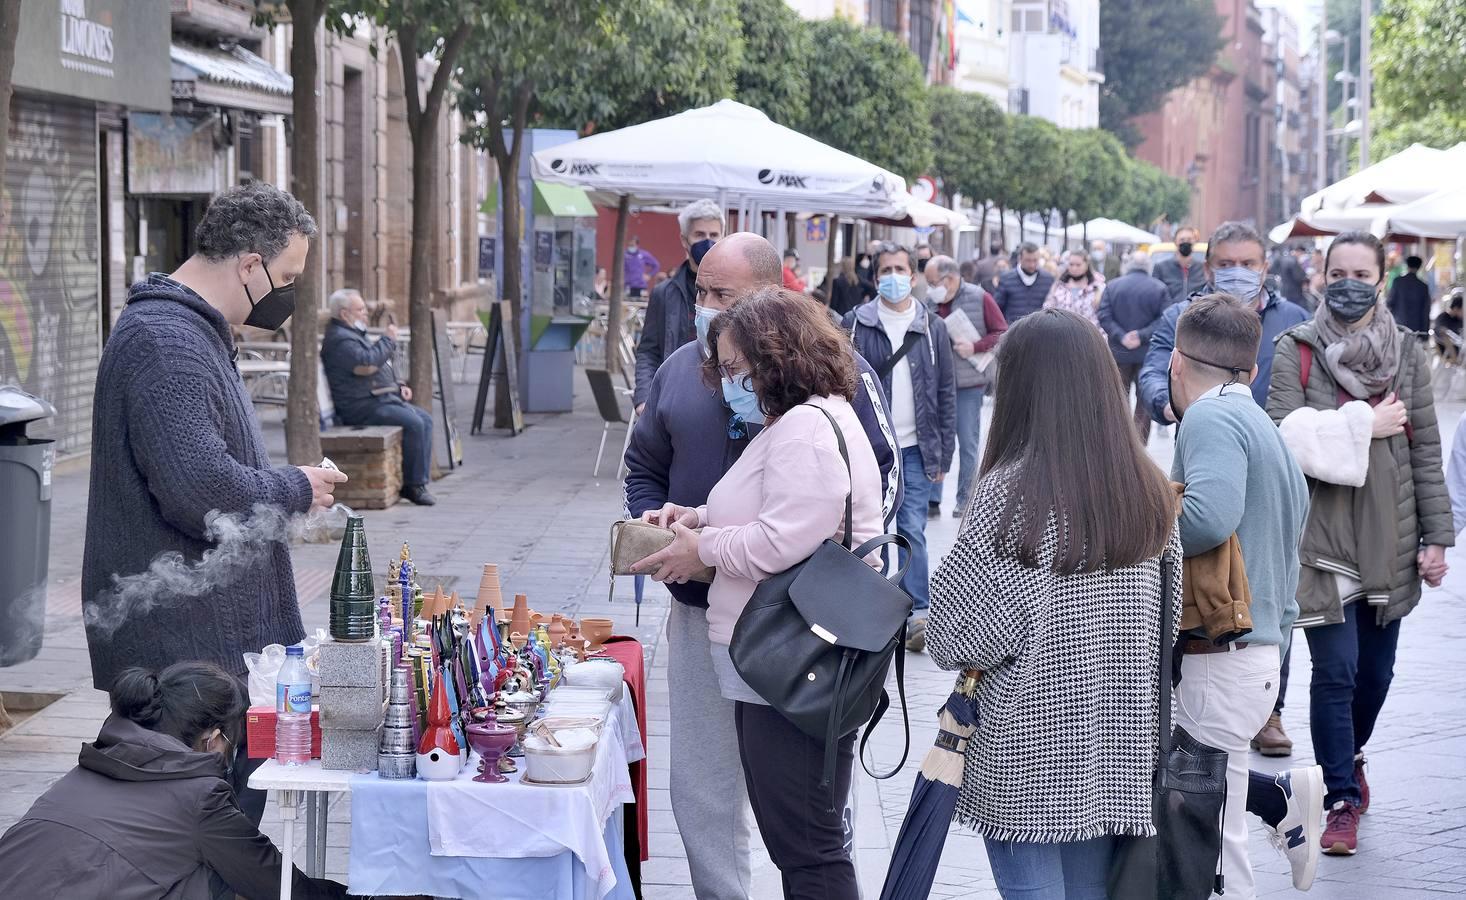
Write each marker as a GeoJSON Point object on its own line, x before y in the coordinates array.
{"type": "Point", "coordinates": [633, 541]}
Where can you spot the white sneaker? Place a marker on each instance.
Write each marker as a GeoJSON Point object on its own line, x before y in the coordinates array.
{"type": "Point", "coordinates": [1297, 836]}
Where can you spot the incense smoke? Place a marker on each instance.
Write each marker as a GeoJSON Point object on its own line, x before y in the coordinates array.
{"type": "Point", "coordinates": [240, 543]}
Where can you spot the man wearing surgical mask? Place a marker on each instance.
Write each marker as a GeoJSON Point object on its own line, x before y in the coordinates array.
{"type": "Point", "coordinates": [688, 436]}
{"type": "Point", "coordinates": [365, 389]}
{"type": "Point", "coordinates": [669, 313]}
{"type": "Point", "coordinates": [175, 439]}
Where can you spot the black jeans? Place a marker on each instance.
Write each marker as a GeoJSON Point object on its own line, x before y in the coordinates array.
{"type": "Point", "coordinates": [805, 837]}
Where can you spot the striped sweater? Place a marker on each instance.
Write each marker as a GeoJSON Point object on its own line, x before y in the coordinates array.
{"type": "Point", "coordinates": [1066, 745]}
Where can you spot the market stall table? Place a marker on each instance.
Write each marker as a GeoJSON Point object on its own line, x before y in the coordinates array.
{"type": "Point", "coordinates": [444, 838]}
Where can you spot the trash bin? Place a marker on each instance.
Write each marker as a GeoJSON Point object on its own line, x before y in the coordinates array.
{"type": "Point", "coordinates": [25, 524]}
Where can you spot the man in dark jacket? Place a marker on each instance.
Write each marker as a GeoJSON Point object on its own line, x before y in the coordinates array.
{"type": "Point", "coordinates": [1183, 273]}
{"type": "Point", "coordinates": [175, 441]}
{"type": "Point", "coordinates": [910, 350]}
{"type": "Point", "coordinates": [365, 389]}
{"type": "Point", "coordinates": [1291, 277]}
{"type": "Point", "coordinates": [668, 321]}
{"type": "Point", "coordinates": [1129, 311]}
{"type": "Point", "coordinates": [974, 366]}
{"type": "Point", "coordinates": [1410, 298]}
{"type": "Point", "coordinates": [1024, 289]}
{"type": "Point", "coordinates": [681, 446]}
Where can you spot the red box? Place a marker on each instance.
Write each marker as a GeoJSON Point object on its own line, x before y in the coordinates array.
{"type": "Point", "coordinates": [259, 730]}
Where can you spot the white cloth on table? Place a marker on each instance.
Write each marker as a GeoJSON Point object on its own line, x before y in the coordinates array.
{"type": "Point", "coordinates": [630, 732]}
{"type": "Point", "coordinates": [511, 820]}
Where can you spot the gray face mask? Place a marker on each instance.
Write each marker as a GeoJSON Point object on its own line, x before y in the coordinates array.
{"type": "Point", "coordinates": [1350, 299]}
{"type": "Point", "coordinates": [1239, 281]}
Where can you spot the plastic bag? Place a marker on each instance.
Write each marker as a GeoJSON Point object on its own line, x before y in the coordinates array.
{"type": "Point", "coordinates": [263, 667]}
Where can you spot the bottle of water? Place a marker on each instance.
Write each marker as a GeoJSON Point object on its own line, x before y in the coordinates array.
{"type": "Point", "coordinates": [293, 710]}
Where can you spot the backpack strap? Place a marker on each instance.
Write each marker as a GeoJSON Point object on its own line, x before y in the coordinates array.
{"type": "Point", "coordinates": [1305, 362]}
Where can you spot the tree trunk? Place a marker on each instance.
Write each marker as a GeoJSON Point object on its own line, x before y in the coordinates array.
{"type": "Point", "coordinates": [1003, 228]}
{"type": "Point", "coordinates": [507, 156]}
{"type": "Point", "coordinates": [618, 287]}
{"type": "Point", "coordinates": [302, 409]}
{"type": "Point", "coordinates": [791, 229]}
{"type": "Point", "coordinates": [1064, 226]}
{"type": "Point", "coordinates": [422, 123]}
{"type": "Point", "coordinates": [982, 231]}
{"type": "Point", "coordinates": [9, 27]}
{"type": "Point", "coordinates": [1048, 214]}
{"type": "Point", "coordinates": [1085, 230]}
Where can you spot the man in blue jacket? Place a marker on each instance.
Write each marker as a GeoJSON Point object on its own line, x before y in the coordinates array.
{"type": "Point", "coordinates": [684, 441]}
{"type": "Point", "coordinates": [1024, 289]}
{"type": "Point", "coordinates": [1129, 310]}
{"type": "Point", "coordinates": [910, 350]}
{"type": "Point", "coordinates": [1236, 264]}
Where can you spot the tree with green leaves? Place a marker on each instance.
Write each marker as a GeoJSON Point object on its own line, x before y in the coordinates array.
{"type": "Point", "coordinates": [1420, 74]}
{"type": "Point", "coordinates": [1098, 164]}
{"type": "Point", "coordinates": [967, 129]}
{"type": "Point", "coordinates": [1030, 165]}
{"type": "Point", "coordinates": [436, 30]}
{"type": "Point", "coordinates": [1152, 47]}
{"type": "Point", "coordinates": [774, 71]}
{"type": "Point", "coordinates": [868, 96]}
{"type": "Point", "coordinates": [1147, 195]}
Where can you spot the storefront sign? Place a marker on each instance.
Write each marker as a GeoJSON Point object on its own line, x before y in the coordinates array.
{"type": "Point", "coordinates": [111, 51]}
{"type": "Point", "coordinates": [168, 154]}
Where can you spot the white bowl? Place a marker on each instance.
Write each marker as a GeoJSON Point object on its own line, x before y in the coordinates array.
{"type": "Point", "coordinates": [559, 766]}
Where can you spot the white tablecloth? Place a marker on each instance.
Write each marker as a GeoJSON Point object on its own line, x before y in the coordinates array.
{"type": "Point", "coordinates": [514, 820]}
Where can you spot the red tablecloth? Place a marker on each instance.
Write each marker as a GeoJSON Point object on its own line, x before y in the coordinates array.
{"type": "Point", "coordinates": [627, 651]}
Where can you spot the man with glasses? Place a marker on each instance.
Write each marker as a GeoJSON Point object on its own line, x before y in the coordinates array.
{"type": "Point", "coordinates": [684, 441]}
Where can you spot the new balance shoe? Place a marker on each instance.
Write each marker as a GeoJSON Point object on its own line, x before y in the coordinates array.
{"type": "Point", "coordinates": [1341, 834]}
{"type": "Point", "coordinates": [1359, 763]}
{"type": "Point", "coordinates": [1297, 835]}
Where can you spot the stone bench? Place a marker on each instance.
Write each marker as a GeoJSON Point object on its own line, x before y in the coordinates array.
{"type": "Point", "coordinates": [371, 457]}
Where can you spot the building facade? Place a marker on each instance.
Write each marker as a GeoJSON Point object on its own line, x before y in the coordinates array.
{"type": "Point", "coordinates": [1054, 61]}
{"type": "Point", "coordinates": [1214, 131]}
{"type": "Point", "coordinates": [983, 38]}
{"type": "Point", "coordinates": [1288, 174]}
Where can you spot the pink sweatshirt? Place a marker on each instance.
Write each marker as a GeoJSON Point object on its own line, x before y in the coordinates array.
{"type": "Point", "coordinates": [781, 500]}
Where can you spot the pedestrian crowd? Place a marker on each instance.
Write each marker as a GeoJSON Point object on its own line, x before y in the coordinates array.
{"type": "Point", "coordinates": [780, 436]}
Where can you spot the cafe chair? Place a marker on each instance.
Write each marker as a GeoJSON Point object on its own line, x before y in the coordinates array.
{"type": "Point", "coordinates": [608, 401]}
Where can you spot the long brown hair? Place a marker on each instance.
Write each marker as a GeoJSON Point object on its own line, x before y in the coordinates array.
{"type": "Point", "coordinates": [1061, 422]}
{"type": "Point", "coordinates": [793, 350]}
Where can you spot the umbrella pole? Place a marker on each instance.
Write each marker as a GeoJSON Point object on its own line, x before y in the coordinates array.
{"type": "Point", "coordinates": [618, 287]}
{"type": "Point", "coordinates": [830, 232]}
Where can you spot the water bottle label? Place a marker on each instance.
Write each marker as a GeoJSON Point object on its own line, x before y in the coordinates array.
{"type": "Point", "coordinates": [293, 698]}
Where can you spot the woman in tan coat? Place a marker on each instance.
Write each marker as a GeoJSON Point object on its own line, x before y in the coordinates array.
{"type": "Point", "coordinates": [1351, 391]}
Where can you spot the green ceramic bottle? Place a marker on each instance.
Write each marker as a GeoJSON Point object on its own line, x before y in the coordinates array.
{"type": "Point", "coordinates": [353, 594]}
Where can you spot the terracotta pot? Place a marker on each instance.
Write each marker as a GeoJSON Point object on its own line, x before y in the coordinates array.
{"type": "Point", "coordinates": [557, 630]}
{"type": "Point", "coordinates": [596, 630]}
{"type": "Point", "coordinates": [490, 594]}
{"type": "Point", "coordinates": [519, 619]}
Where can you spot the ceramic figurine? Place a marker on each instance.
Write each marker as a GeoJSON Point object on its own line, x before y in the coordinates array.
{"type": "Point", "coordinates": [491, 741]}
{"type": "Point", "coordinates": [438, 751]}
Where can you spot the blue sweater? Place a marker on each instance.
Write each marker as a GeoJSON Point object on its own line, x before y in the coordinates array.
{"type": "Point", "coordinates": [175, 437]}
{"type": "Point", "coordinates": [1240, 478]}
{"type": "Point", "coordinates": [681, 445]}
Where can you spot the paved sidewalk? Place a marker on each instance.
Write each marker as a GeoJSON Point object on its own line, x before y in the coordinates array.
{"type": "Point", "coordinates": [530, 504]}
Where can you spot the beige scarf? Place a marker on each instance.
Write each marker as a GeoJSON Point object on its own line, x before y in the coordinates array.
{"type": "Point", "coordinates": [1363, 362]}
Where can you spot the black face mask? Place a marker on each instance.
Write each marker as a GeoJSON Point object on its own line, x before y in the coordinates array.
{"type": "Point", "coordinates": [700, 249]}
{"type": "Point", "coordinates": [274, 308]}
{"type": "Point", "coordinates": [1184, 248]}
{"type": "Point", "coordinates": [1349, 299]}
{"type": "Point", "coordinates": [921, 265]}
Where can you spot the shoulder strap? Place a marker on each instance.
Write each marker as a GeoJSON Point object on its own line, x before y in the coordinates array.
{"type": "Point", "coordinates": [1167, 648]}
{"type": "Point", "coordinates": [884, 704]}
{"type": "Point", "coordinates": [1305, 362]}
{"type": "Point", "coordinates": [885, 367]}
{"type": "Point", "coordinates": [850, 494]}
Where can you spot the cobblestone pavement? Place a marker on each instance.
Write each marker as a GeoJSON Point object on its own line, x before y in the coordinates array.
{"type": "Point", "coordinates": [530, 504]}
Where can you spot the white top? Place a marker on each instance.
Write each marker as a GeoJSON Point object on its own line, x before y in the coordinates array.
{"type": "Point", "coordinates": [903, 396]}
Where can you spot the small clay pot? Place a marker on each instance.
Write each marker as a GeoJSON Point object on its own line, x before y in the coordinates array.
{"type": "Point", "coordinates": [596, 630]}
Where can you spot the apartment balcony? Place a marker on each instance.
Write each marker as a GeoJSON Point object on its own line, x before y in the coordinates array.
{"type": "Point", "coordinates": [231, 20]}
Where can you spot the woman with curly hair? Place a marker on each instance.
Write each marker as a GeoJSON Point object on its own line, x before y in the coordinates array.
{"type": "Point", "coordinates": [780, 361]}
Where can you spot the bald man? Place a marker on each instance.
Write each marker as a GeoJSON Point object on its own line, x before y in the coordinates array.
{"type": "Point", "coordinates": [684, 441]}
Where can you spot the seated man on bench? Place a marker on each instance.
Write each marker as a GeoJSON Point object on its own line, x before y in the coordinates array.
{"type": "Point", "coordinates": [365, 389]}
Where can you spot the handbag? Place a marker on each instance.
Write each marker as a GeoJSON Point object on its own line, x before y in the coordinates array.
{"type": "Point", "coordinates": [1188, 799]}
{"type": "Point", "coordinates": [816, 640]}
{"type": "Point", "coordinates": [633, 541]}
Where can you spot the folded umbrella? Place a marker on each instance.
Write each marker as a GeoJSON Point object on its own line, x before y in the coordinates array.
{"type": "Point", "coordinates": [918, 848]}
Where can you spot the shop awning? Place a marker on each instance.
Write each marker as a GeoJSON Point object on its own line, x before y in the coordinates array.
{"type": "Point", "coordinates": [561, 200]}
{"type": "Point", "coordinates": [234, 79]}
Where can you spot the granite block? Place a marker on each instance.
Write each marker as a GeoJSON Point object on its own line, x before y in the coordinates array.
{"type": "Point", "coordinates": [350, 749]}
{"type": "Point", "coordinates": [351, 707]}
{"type": "Point", "coordinates": [345, 664]}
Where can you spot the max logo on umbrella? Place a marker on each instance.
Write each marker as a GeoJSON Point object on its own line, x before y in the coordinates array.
{"type": "Point", "coordinates": [575, 168]}
{"type": "Point", "coordinates": [782, 179]}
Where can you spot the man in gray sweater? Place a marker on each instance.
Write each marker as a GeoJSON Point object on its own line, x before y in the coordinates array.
{"type": "Point", "coordinates": [175, 441]}
{"type": "Point", "coordinates": [1240, 479]}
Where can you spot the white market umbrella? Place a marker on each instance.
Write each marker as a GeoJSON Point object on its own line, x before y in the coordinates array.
{"type": "Point", "coordinates": [1111, 231]}
{"type": "Point", "coordinates": [1439, 215]}
{"type": "Point", "coordinates": [925, 214]}
{"type": "Point", "coordinates": [1410, 174]}
{"type": "Point", "coordinates": [1329, 222]}
{"type": "Point", "coordinates": [729, 152]}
